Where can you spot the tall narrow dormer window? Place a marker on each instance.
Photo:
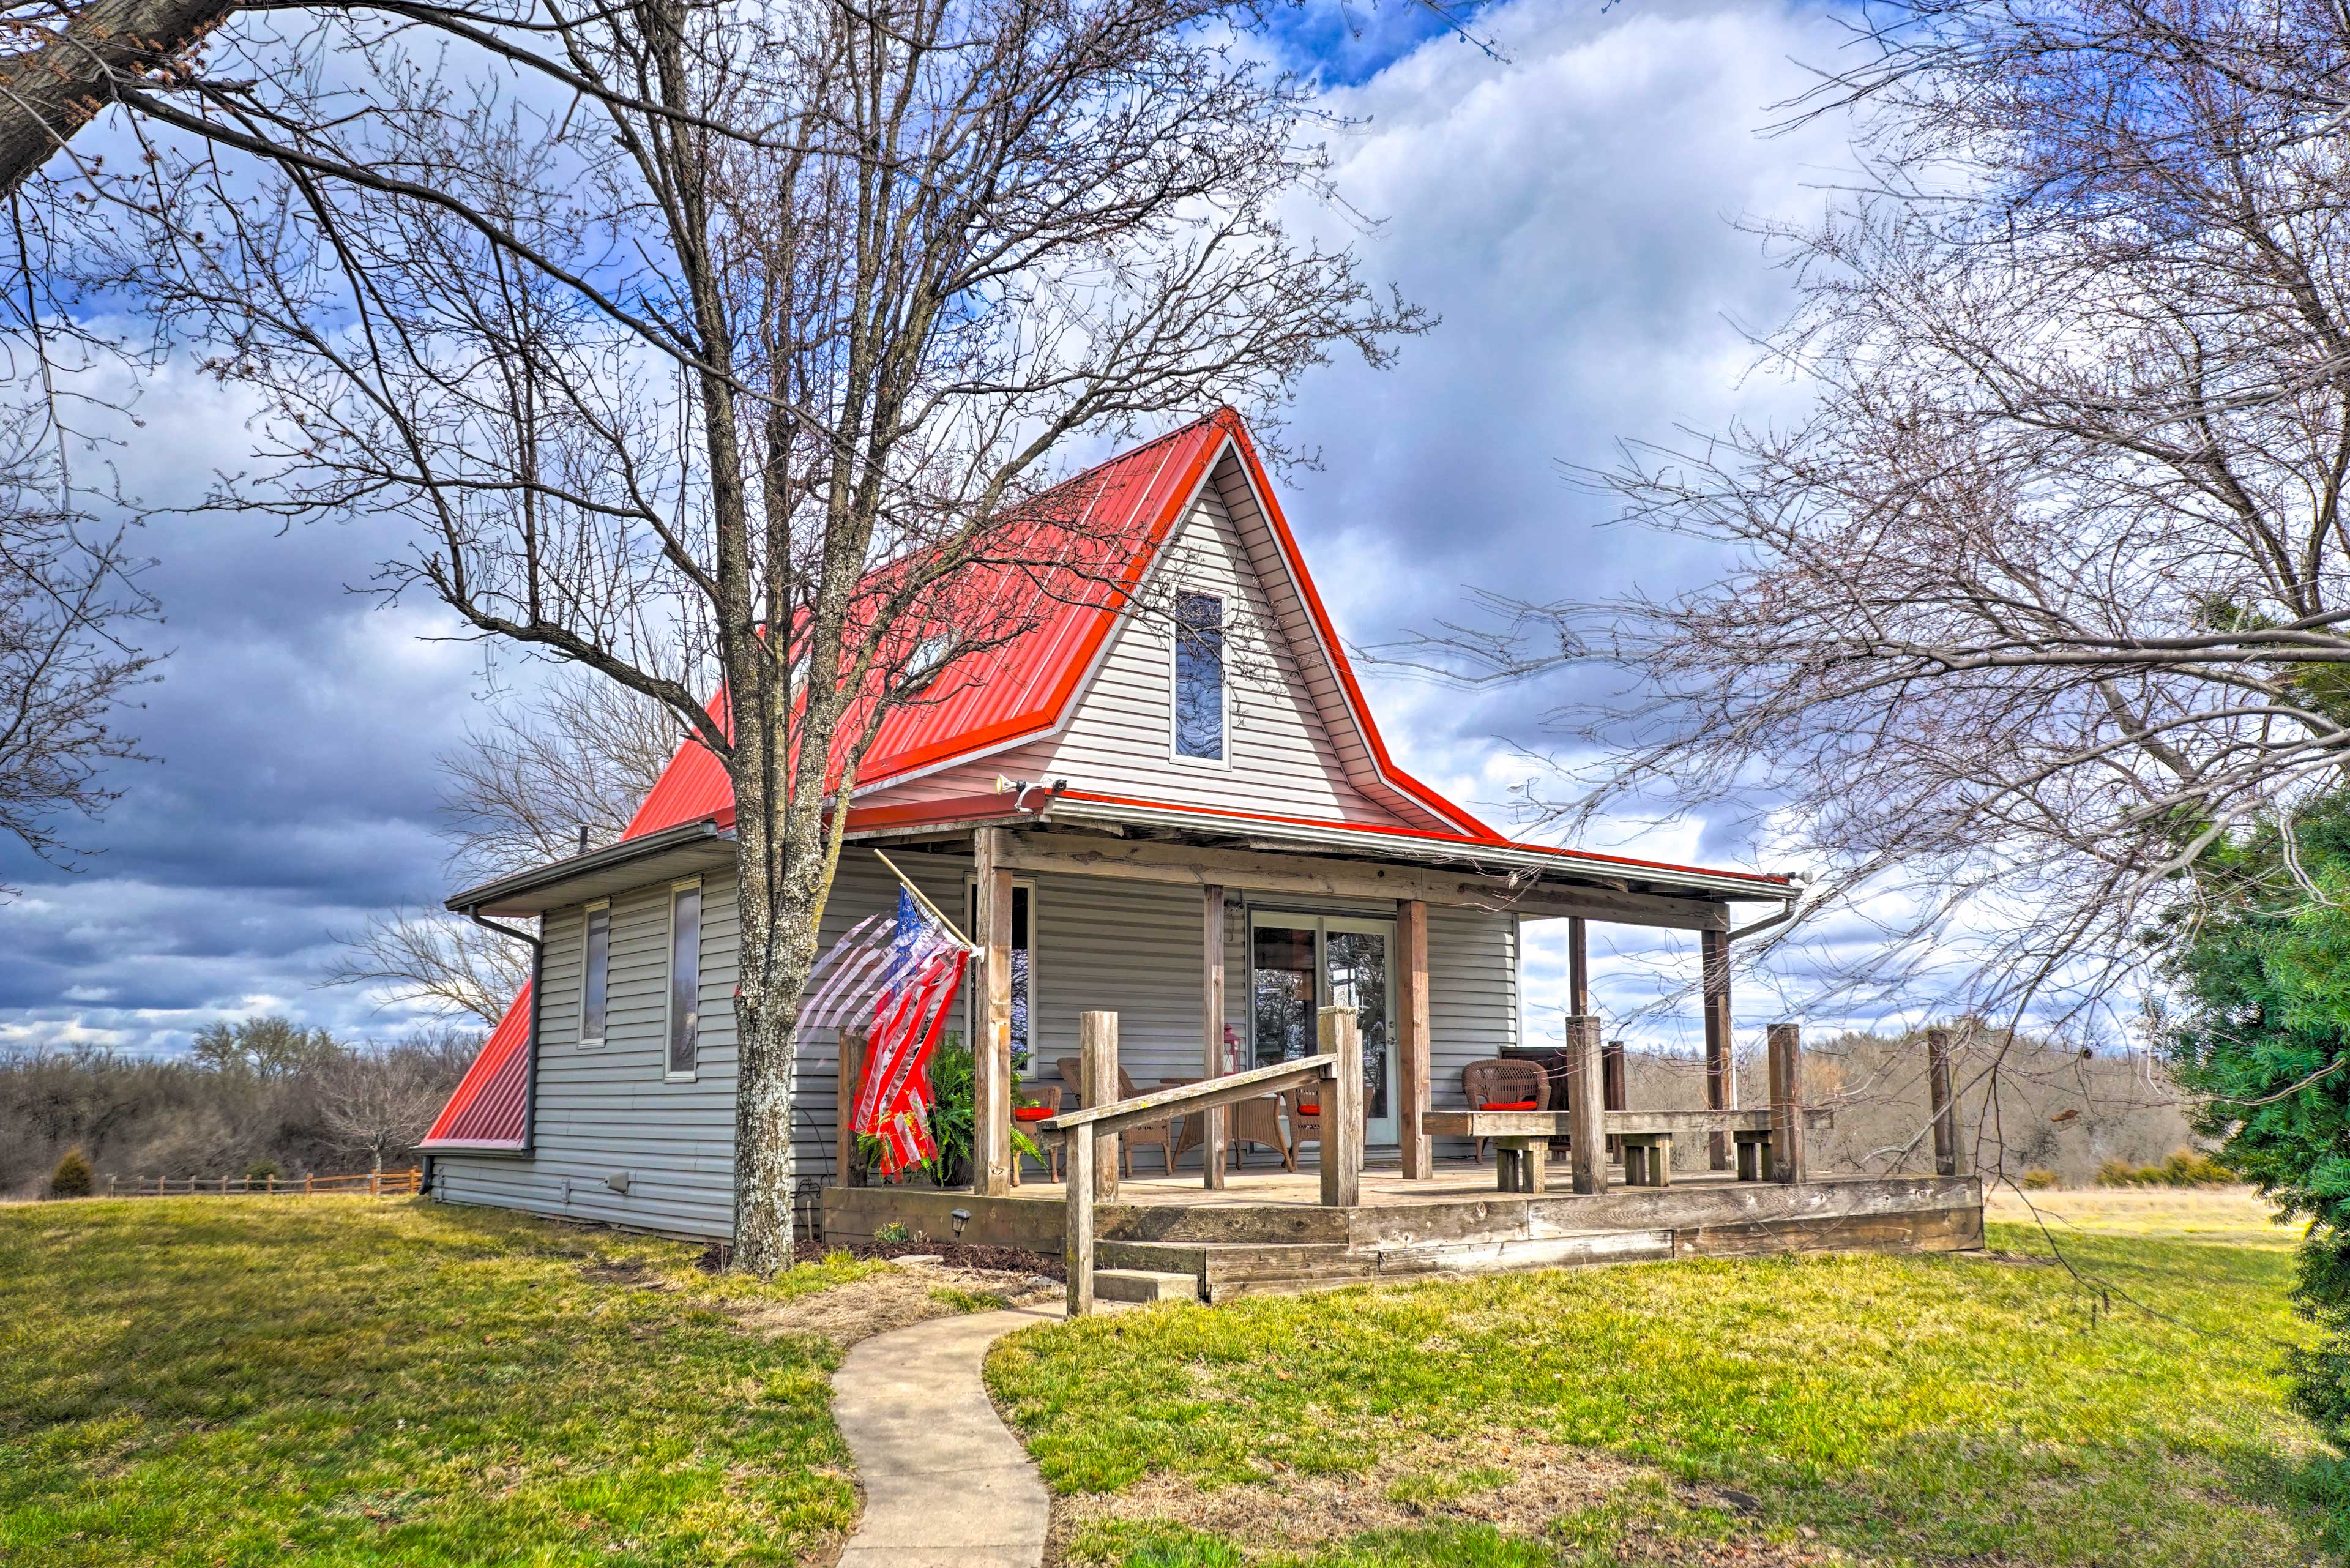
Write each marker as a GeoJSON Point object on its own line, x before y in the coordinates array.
{"type": "Point", "coordinates": [1199, 676]}
{"type": "Point", "coordinates": [595, 974]}
{"type": "Point", "coordinates": [684, 979]}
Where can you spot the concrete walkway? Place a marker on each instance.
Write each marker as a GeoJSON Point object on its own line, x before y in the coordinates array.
{"type": "Point", "coordinates": [946, 1486]}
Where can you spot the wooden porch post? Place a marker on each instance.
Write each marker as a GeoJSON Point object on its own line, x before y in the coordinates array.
{"type": "Point", "coordinates": [1097, 1066]}
{"type": "Point", "coordinates": [1713, 956]}
{"type": "Point", "coordinates": [1342, 1109]}
{"type": "Point", "coordinates": [1946, 1158]}
{"type": "Point", "coordinates": [1213, 1060]}
{"type": "Point", "coordinates": [1078, 1244]}
{"type": "Point", "coordinates": [1578, 967]}
{"type": "Point", "coordinates": [1614, 1095]}
{"type": "Point", "coordinates": [852, 1076]}
{"type": "Point", "coordinates": [1788, 1162]}
{"type": "Point", "coordinates": [1412, 1042]}
{"type": "Point", "coordinates": [991, 1059]}
{"type": "Point", "coordinates": [1587, 1119]}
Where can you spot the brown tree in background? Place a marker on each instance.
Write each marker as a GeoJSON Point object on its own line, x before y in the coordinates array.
{"type": "Point", "coordinates": [2051, 585]}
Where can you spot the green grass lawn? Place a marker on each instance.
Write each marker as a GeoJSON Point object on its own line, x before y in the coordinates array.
{"type": "Point", "coordinates": [1879, 1410]}
{"type": "Point", "coordinates": [226, 1381]}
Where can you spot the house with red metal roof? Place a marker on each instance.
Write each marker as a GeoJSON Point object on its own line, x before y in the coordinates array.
{"type": "Point", "coordinates": [1188, 818]}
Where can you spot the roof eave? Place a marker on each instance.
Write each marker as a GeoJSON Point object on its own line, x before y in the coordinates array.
{"type": "Point", "coordinates": [1563, 864]}
{"type": "Point", "coordinates": [678, 851]}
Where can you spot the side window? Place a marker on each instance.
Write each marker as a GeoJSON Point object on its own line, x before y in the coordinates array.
{"type": "Point", "coordinates": [1199, 676]}
{"type": "Point", "coordinates": [684, 979]}
{"type": "Point", "coordinates": [595, 975]}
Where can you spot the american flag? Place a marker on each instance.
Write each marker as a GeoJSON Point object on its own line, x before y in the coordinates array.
{"type": "Point", "coordinates": [899, 974]}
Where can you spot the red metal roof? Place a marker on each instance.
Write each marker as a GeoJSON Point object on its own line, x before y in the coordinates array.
{"type": "Point", "coordinates": [489, 1110]}
{"type": "Point", "coordinates": [1111, 522]}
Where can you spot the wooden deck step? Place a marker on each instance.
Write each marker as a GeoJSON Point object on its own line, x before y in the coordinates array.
{"type": "Point", "coordinates": [1145, 1285]}
{"type": "Point", "coordinates": [1223, 1269]}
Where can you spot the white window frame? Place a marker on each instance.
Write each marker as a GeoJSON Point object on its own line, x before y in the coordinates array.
{"type": "Point", "coordinates": [587, 923]}
{"type": "Point", "coordinates": [1221, 762]}
{"type": "Point", "coordinates": [971, 994]}
{"type": "Point", "coordinates": [668, 990]}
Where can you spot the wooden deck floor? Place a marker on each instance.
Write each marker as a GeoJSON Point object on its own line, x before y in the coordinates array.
{"type": "Point", "coordinates": [1383, 1186]}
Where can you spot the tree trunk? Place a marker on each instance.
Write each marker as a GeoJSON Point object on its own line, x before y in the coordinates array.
{"type": "Point", "coordinates": [49, 93]}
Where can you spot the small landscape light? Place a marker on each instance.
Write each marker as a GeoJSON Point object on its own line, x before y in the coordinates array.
{"type": "Point", "coordinates": [961, 1217]}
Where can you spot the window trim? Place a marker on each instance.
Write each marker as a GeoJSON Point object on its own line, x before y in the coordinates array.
{"type": "Point", "coordinates": [970, 992]}
{"type": "Point", "coordinates": [579, 1035]}
{"type": "Point", "coordinates": [1223, 760]}
{"type": "Point", "coordinates": [668, 991]}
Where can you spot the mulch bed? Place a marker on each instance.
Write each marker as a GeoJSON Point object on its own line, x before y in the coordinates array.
{"type": "Point", "coordinates": [950, 1254]}
{"type": "Point", "coordinates": [953, 1254]}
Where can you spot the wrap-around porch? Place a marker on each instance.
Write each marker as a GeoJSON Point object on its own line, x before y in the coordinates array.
{"type": "Point", "coordinates": [1320, 1056]}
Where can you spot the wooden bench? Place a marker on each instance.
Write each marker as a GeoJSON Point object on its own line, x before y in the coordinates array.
{"type": "Point", "coordinates": [1524, 1168]}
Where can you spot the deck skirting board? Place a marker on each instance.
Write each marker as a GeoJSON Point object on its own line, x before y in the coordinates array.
{"type": "Point", "coordinates": [1528, 1252]}
{"type": "Point", "coordinates": [1235, 1246]}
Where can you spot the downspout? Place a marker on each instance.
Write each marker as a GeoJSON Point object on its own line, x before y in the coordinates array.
{"type": "Point", "coordinates": [1768, 922]}
{"type": "Point", "coordinates": [537, 988]}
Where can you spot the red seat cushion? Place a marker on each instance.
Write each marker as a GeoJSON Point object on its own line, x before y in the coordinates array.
{"type": "Point", "coordinates": [1031, 1112]}
{"type": "Point", "coordinates": [1509, 1106]}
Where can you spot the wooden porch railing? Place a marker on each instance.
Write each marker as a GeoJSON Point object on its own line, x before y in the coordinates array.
{"type": "Point", "coordinates": [1091, 1131]}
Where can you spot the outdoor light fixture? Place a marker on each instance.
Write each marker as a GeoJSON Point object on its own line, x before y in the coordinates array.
{"type": "Point", "coordinates": [961, 1217]}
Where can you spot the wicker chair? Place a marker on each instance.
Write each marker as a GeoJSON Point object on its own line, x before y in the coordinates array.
{"type": "Point", "coordinates": [1159, 1136]}
{"type": "Point", "coordinates": [1302, 1108]}
{"type": "Point", "coordinates": [1502, 1082]}
{"type": "Point", "coordinates": [1047, 1097]}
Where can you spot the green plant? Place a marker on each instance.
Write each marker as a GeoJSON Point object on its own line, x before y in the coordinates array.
{"type": "Point", "coordinates": [2039, 1179]}
{"type": "Point", "coordinates": [893, 1232]}
{"type": "Point", "coordinates": [2185, 1168]}
{"type": "Point", "coordinates": [261, 1170]}
{"type": "Point", "coordinates": [950, 1115]}
{"type": "Point", "coordinates": [2264, 967]}
{"type": "Point", "coordinates": [71, 1178]}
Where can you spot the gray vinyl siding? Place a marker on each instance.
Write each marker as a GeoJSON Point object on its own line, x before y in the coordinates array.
{"type": "Point", "coordinates": [603, 1110]}
{"type": "Point", "coordinates": [1473, 1002]}
{"type": "Point", "coordinates": [1130, 947]}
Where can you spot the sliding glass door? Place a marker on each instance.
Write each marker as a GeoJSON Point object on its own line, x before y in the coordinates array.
{"type": "Point", "coordinates": [1301, 963]}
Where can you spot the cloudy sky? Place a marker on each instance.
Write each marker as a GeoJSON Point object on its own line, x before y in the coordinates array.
{"type": "Point", "coordinates": [1566, 203]}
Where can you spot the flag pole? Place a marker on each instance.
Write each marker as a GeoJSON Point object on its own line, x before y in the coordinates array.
{"type": "Point", "coordinates": [936, 913]}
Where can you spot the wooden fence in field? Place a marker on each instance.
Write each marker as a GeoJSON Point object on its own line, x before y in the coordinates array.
{"type": "Point", "coordinates": [369, 1183]}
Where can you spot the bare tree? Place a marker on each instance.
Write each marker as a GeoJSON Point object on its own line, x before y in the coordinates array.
{"type": "Point", "coordinates": [557, 772]}
{"type": "Point", "coordinates": [2047, 590]}
{"type": "Point", "coordinates": [745, 365]}
{"type": "Point", "coordinates": [67, 594]}
{"type": "Point", "coordinates": [381, 1102]}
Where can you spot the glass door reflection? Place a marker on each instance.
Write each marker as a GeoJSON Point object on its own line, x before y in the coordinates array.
{"type": "Point", "coordinates": [1300, 963]}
